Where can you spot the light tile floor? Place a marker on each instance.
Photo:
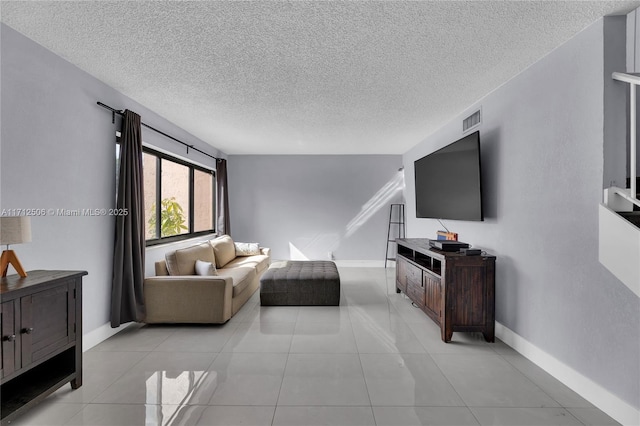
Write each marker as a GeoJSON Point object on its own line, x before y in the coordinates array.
{"type": "Point", "coordinates": [374, 360]}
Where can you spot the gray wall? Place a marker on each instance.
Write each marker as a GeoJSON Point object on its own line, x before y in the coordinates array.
{"type": "Point", "coordinates": [542, 153]}
{"type": "Point", "coordinates": [314, 204]}
{"type": "Point", "coordinates": [58, 151]}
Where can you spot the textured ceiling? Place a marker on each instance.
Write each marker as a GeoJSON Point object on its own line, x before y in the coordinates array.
{"type": "Point", "coordinates": [305, 77]}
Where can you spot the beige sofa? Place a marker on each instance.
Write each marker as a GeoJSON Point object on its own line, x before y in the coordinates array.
{"type": "Point", "coordinates": [177, 295]}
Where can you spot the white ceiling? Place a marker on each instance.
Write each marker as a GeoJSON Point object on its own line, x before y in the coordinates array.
{"type": "Point", "coordinates": [305, 77]}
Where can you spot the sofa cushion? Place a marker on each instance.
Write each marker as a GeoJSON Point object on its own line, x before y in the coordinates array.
{"type": "Point", "coordinates": [205, 268]}
{"type": "Point", "coordinates": [184, 262]}
{"type": "Point", "coordinates": [260, 262]}
{"type": "Point", "coordinates": [241, 275]}
{"type": "Point", "coordinates": [171, 262]}
{"type": "Point", "coordinates": [247, 249]}
{"type": "Point", "coordinates": [224, 250]}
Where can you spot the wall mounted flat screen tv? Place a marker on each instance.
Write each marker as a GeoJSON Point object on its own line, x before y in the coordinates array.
{"type": "Point", "coordinates": [448, 182]}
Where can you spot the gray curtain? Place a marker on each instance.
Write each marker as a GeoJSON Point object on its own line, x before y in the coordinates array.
{"type": "Point", "coordinates": [223, 222]}
{"type": "Point", "coordinates": [127, 302]}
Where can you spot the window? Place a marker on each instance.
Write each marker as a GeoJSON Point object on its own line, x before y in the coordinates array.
{"type": "Point", "coordinates": [178, 198]}
{"type": "Point", "coordinates": [149, 174]}
{"type": "Point", "coordinates": [174, 199]}
{"type": "Point", "coordinates": [202, 201]}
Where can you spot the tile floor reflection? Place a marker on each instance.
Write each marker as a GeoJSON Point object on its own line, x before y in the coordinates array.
{"type": "Point", "coordinates": [374, 360]}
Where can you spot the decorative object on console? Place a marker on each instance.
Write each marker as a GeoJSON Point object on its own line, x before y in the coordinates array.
{"type": "Point", "coordinates": [446, 235]}
{"type": "Point", "coordinates": [13, 230]}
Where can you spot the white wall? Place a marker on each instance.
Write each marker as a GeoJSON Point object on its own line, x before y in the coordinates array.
{"type": "Point", "coordinates": [633, 42]}
{"type": "Point", "coordinates": [633, 61]}
{"type": "Point", "coordinates": [307, 206]}
{"type": "Point", "coordinates": [58, 151]}
{"type": "Point", "coordinates": [542, 152]}
{"type": "Point", "coordinates": [616, 163]}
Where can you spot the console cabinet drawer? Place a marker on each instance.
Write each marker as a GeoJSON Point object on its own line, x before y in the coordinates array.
{"type": "Point", "coordinates": [405, 272]}
{"type": "Point", "coordinates": [414, 273]}
{"type": "Point", "coordinates": [401, 274]}
{"type": "Point", "coordinates": [415, 291]}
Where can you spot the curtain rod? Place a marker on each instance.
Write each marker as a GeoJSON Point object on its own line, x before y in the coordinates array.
{"type": "Point", "coordinates": [121, 113]}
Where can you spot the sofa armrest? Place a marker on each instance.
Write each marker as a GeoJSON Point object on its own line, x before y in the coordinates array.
{"type": "Point", "coordinates": [266, 251]}
{"type": "Point", "coordinates": [188, 299]}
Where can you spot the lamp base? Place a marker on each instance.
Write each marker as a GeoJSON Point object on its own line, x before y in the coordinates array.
{"type": "Point", "coordinates": [9, 258]}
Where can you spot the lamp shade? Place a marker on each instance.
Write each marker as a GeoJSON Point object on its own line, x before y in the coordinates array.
{"type": "Point", "coordinates": [15, 230]}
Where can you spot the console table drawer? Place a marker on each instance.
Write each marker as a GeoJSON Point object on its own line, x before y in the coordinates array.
{"type": "Point", "coordinates": [401, 274]}
{"type": "Point", "coordinates": [415, 291]}
{"type": "Point", "coordinates": [414, 273]}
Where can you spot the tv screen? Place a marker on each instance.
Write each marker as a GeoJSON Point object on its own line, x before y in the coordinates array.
{"type": "Point", "coordinates": [448, 182]}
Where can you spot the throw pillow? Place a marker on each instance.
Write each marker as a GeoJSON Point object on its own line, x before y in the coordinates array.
{"type": "Point", "coordinates": [247, 249]}
{"type": "Point", "coordinates": [223, 249]}
{"type": "Point", "coordinates": [205, 268]}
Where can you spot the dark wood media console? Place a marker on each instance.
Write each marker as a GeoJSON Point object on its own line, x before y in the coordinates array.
{"type": "Point", "coordinates": [456, 291]}
{"type": "Point", "coordinates": [41, 348]}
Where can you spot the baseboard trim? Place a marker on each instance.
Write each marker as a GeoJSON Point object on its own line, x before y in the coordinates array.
{"type": "Point", "coordinates": [611, 404]}
{"type": "Point", "coordinates": [100, 334]}
{"type": "Point", "coordinates": [360, 263]}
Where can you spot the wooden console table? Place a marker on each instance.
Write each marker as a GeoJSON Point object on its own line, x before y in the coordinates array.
{"type": "Point", "coordinates": [41, 324]}
{"type": "Point", "coordinates": [456, 291]}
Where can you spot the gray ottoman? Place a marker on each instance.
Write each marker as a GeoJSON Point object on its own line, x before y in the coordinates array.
{"type": "Point", "coordinates": [294, 282]}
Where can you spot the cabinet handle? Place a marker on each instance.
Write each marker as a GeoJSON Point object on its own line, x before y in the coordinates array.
{"type": "Point", "coordinates": [27, 330]}
{"type": "Point", "coordinates": [9, 338]}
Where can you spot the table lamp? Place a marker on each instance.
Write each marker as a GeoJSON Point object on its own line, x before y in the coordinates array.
{"type": "Point", "coordinates": [13, 230]}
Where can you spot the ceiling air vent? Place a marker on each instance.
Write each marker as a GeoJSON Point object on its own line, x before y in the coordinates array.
{"type": "Point", "coordinates": [471, 121]}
